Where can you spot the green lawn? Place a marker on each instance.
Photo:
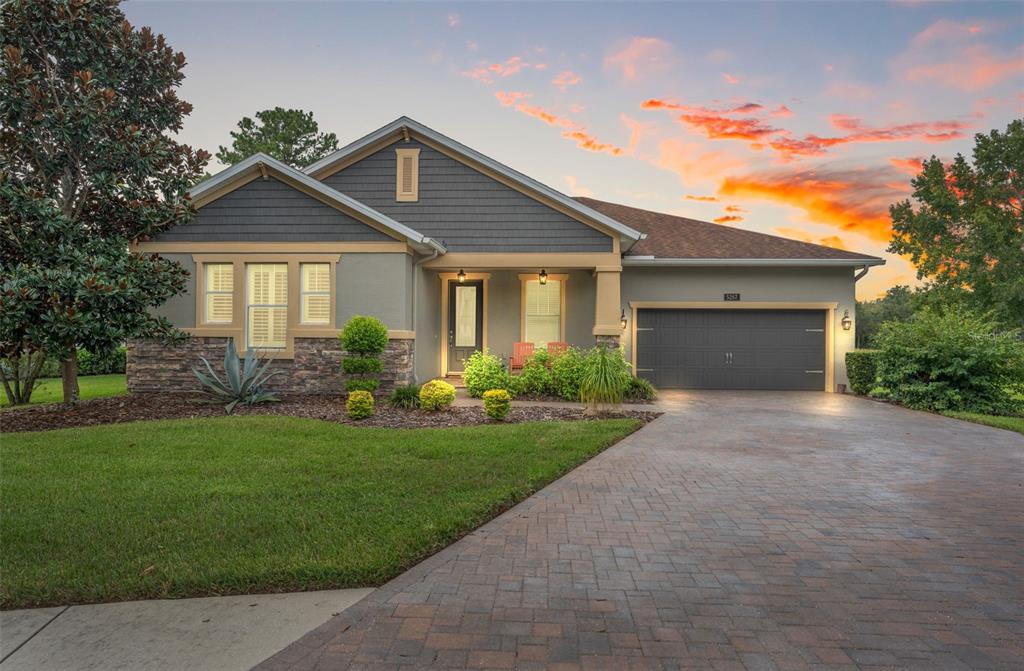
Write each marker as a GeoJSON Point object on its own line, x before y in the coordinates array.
{"type": "Point", "coordinates": [255, 504]}
{"type": "Point", "coordinates": [998, 421]}
{"type": "Point", "coordinates": [92, 386]}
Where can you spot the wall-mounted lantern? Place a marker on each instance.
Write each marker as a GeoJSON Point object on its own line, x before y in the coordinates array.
{"type": "Point", "coordinates": [543, 277]}
{"type": "Point", "coordinates": [846, 321]}
{"type": "Point", "coordinates": [622, 320]}
{"type": "Point", "coordinates": [461, 276]}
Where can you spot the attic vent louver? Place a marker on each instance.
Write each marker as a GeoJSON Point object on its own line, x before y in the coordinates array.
{"type": "Point", "coordinates": [407, 173]}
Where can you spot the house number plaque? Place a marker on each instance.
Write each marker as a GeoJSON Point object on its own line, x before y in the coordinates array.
{"type": "Point", "coordinates": [732, 297]}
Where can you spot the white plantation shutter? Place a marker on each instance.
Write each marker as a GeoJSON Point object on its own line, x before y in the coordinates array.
{"type": "Point", "coordinates": [268, 305]}
{"type": "Point", "coordinates": [220, 280]}
{"type": "Point", "coordinates": [316, 293]}
{"type": "Point", "coordinates": [543, 312]}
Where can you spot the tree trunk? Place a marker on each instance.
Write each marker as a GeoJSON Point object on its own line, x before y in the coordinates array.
{"type": "Point", "coordinates": [69, 373]}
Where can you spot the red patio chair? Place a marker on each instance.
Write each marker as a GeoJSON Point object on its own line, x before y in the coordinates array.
{"type": "Point", "coordinates": [521, 351]}
{"type": "Point", "coordinates": [556, 348]}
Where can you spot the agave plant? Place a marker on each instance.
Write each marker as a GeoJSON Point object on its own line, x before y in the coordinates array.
{"type": "Point", "coordinates": [243, 382]}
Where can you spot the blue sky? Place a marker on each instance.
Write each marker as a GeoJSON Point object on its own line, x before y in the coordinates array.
{"type": "Point", "coordinates": [798, 119]}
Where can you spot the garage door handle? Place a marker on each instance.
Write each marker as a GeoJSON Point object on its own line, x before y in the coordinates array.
{"type": "Point", "coordinates": [814, 371]}
{"type": "Point", "coordinates": [643, 329]}
{"type": "Point", "coordinates": [814, 330]}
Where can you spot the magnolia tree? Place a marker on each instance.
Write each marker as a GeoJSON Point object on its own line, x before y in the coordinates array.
{"type": "Point", "coordinates": [88, 166]}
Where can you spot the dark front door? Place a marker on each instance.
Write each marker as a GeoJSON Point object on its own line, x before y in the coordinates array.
{"type": "Point", "coordinates": [465, 322]}
{"type": "Point", "coordinates": [732, 349]}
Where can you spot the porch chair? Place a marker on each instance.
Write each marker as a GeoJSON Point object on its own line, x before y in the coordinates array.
{"type": "Point", "coordinates": [556, 348]}
{"type": "Point", "coordinates": [521, 351]}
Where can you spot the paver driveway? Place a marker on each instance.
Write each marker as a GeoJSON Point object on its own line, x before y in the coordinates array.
{"type": "Point", "coordinates": [739, 531]}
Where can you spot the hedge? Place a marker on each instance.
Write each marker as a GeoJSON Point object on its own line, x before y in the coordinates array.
{"type": "Point", "coordinates": [862, 369]}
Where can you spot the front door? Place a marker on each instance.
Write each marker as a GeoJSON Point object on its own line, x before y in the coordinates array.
{"type": "Point", "coordinates": [465, 322]}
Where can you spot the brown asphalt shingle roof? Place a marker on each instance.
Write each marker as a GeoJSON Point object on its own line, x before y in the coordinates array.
{"type": "Point", "coordinates": [672, 237]}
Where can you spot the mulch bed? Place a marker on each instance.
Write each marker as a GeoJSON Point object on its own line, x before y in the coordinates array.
{"type": "Point", "coordinates": [138, 407]}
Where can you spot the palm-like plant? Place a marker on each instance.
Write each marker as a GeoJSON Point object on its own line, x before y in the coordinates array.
{"type": "Point", "coordinates": [243, 382]}
{"type": "Point", "coordinates": [605, 378]}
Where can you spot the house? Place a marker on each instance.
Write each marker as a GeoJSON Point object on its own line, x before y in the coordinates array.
{"type": "Point", "coordinates": [456, 252]}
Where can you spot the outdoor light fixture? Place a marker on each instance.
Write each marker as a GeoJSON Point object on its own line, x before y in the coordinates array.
{"type": "Point", "coordinates": [543, 277]}
{"type": "Point", "coordinates": [622, 319]}
{"type": "Point", "coordinates": [846, 321]}
{"type": "Point", "coordinates": [461, 276]}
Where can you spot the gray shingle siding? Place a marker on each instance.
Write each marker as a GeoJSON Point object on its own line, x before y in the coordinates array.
{"type": "Point", "coordinates": [271, 211]}
{"type": "Point", "coordinates": [465, 209]}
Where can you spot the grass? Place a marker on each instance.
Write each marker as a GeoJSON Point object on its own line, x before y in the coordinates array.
{"type": "Point", "coordinates": [257, 504]}
{"type": "Point", "coordinates": [91, 386]}
{"type": "Point", "coordinates": [998, 421]}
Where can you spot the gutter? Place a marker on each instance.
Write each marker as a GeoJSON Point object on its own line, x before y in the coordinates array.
{"type": "Point", "coordinates": [651, 261]}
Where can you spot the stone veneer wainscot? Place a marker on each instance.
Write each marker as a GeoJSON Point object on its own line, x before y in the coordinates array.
{"type": "Point", "coordinates": [314, 369]}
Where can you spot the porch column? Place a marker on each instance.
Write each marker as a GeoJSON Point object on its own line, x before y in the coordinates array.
{"type": "Point", "coordinates": [607, 307]}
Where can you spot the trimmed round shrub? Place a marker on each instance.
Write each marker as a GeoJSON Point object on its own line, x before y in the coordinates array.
{"type": "Point", "coordinates": [497, 403]}
{"type": "Point", "coordinates": [639, 389]}
{"type": "Point", "coordinates": [359, 405]}
{"type": "Point", "coordinates": [361, 365]}
{"type": "Point", "coordinates": [484, 372]}
{"type": "Point", "coordinates": [950, 360]}
{"type": "Point", "coordinates": [364, 335]}
{"type": "Point", "coordinates": [437, 395]}
{"type": "Point", "coordinates": [862, 369]}
{"type": "Point", "coordinates": [566, 374]}
{"type": "Point", "coordinates": [367, 384]}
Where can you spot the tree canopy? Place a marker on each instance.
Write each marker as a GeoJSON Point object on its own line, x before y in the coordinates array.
{"type": "Point", "coordinates": [290, 135]}
{"type": "Point", "coordinates": [88, 167]}
{"type": "Point", "coordinates": [964, 227]}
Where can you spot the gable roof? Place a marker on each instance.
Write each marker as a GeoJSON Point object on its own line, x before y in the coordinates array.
{"type": "Point", "coordinates": [671, 238]}
{"type": "Point", "coordinates": [403, 125]}
{"type": "Point", "coordinates": [222, 182]}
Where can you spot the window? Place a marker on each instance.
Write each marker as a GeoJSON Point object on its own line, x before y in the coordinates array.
{"type": "Point", "coordinates": [316, 293]}
{"type": "Point", "coordinates": [407, 173]}
{"type": "Point", "coordinates": [542, 318]}
{"type": "Point", "coordinates": [220, 284]}
{"type": "Point", "coordinates": [267, 324]}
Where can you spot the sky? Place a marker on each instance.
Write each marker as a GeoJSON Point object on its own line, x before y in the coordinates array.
{"type": "Point", "coordinates": [805, 120]}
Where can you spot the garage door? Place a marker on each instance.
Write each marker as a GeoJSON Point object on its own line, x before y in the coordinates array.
{"type": "Point", "coordinates": [732, 349]}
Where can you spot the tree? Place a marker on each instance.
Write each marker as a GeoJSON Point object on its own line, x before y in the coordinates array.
{"type": "Point", "coordinates": [87, 168]}
{"type": "Point", "coordinates": [290, 136]}
{"type": "Point", "coordinates": [896, 305]}
{"type": "Point", "coordinates": [965, 228]}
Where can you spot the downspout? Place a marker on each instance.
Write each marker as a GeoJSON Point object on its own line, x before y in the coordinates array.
{"type": "Point", "coordinates": [415, 281]}
{"type": "Point", "coordinates": [862, 273]}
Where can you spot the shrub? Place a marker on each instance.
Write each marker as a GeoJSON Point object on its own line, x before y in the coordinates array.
{"type": "Point", "coordinates": [361, 365]}
{"type": "Point", "coordinates": [20, 375]}
{"type": "Point", "coordinates": [104, 363]}
{"type": "Point", "coordinates": [359, 405]}
{"type": "Point", "coordinates": [535, 378]}
{"type": "Point", "coordinates": [605, 377]}
{"type": "Point", "coordinates": [639, 389]}
{"type": "Point", "coordinates": [242, 383]}
{"type": "Point", "coordinates": [862, 369]}
{"type": "Point", "coordinates": [437, 395]}
{"type": "Point", "coordinates": [950, 360]}
{"type": "Point", "coordinates": [407, 396]}
{"type": "Point", "coordinates": [566, 374]}
{"type": "Point", "coordinates": [368, 384]}
{"type": "Point", "coordinates": [484, 372]}
{"type": "Point", "coordinates": [497, 403]}
{"type": "Point", "coordinates": [363, 339]}
{"type": "Point", "coordinates": [364, 335]}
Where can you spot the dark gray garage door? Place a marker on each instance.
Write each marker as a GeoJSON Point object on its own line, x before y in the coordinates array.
{"type": "Point", "coordinates": [732, 349]}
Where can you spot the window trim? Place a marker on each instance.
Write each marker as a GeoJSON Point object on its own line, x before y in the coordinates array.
{"type": "Point", "coordinates": [304, 292]}
{"type": "Point", "coordinates": [238, 328]}
{"type": "Point", "coordinates": [524, 278]}
{"type": "Point", "coordinates": [204, 316]}
{"type": "Point", "coordinates": [400, 156]}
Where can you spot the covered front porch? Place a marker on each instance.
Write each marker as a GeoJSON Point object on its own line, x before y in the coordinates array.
{"type": "Point", "coordinates": [512, 300]}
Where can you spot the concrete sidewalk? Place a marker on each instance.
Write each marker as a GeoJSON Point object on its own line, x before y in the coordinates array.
{"type": "Point", "coordinates": [216, 633]}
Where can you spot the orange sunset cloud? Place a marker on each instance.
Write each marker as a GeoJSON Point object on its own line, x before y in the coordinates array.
{"type": "Point", "coordinates": [566, 79]}
{"type": "Point", "coordinates": [641, 56]}
{"type": "Point", "coordinates": [728, 219]}
{"type": "Point", "coordinates": [702, 199]}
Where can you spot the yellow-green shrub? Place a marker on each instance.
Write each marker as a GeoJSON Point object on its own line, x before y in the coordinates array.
{"type": "Point", "coordinates": [437, 395]}
{"type": "Point", "coordinates": [497, 403]}
{"type": "Point", "coordinates": [359, 404]}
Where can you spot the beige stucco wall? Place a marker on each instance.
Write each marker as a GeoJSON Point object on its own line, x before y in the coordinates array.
{"type": "Point", "coordinates": [810, 285]}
